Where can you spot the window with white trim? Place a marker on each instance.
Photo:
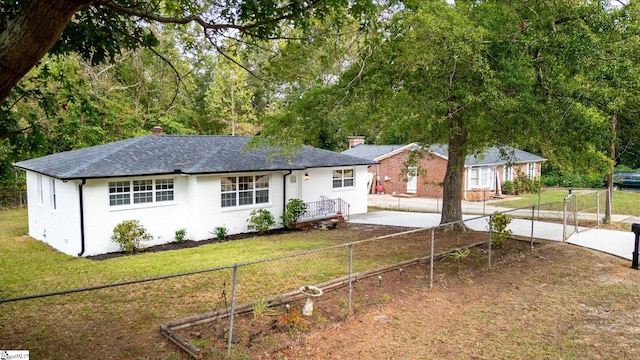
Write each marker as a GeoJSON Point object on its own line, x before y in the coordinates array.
{"type": "Point", "coordinates": [342, 178]}
{"type": "Point", "coordinates": [40, 190]}
{"type": "Point", "coordinates": [244, 190]}
{"type": "Point", "coordinates": [52, 188]}
{"type": "Point", "coordinates": [531, 170]}
{"type": "Point", "coordinates": [479, 177]}
{"type": "Point", "coordinates": [140, 191]}
{"type": "Point", "coordinates": [508, 173]}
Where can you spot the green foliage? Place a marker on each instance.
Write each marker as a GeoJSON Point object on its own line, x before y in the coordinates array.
{"type": "Point", "coordinates": [180, 235]}
{"type": "Point", "coordinates": [294, 209]}
{"type": "Point", "coordinates": [261, 220]}
{"type": "Point", "coordinates": [292, 319]}
{"type": "Point", "coordinates": [524, 184]}
{"type": "Point", "coordinates": [572, 180]}
{"type": "Point", "coordinates": [499, 232]}
{"type": "Point", "coordinates": [221, 233]}
{"type": "Point", "coordinates": [130, 235]}
{"type": "Point", "coordinates": [458, 254]}
{"type": "Point", "coordinates": [508, 188]}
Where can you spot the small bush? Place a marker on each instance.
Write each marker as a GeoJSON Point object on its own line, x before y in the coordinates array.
{"type": "Point", "coordinates": [261, 220]}
{"type": "Point", "coordinates": [523, 184]}
{"type": "Point", "coordinates": [507, 187]}
{"type": "Point", "coordinates": [130, 235]}
{"type": "Point", "coordinates": [180, 235]}
{"type": "Point", "coordinates": [221, 233]}
{"type": "Point", "coordinates": [292, 319]}
{"type": "Point", "coordinates": [293, 211]}
{"type": "Point", "coordinates": [499, 231]}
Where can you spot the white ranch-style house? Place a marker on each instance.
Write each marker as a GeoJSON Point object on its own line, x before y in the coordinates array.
{"type": "Point", "coordinates": [170, 182]}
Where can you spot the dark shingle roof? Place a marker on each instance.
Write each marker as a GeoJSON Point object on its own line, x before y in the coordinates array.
{"type": "Point", "coordinates": [492, 156]}
{"type": "Point", "coordinates": [152, 155]}
{"type": "Point", "coordinates": [371, 152]}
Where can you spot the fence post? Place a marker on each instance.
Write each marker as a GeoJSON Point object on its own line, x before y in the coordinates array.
{"type": "Point", "coordinates": [433, 236]}
{"type": "Point", "coordinates": [350, 272]}
{"type": "Point", "coordinates": [597, 209]}
{"type": "Point", "coordinates": [564, 220]}
{"type": "Point", "coordinates": [233, 305]}
{"type": "Point", "coordinates": [575, 212]}
{"type": "Point", "coordinates": [490, 231]}
{"type": "Point", "coordinates": [533, 215]}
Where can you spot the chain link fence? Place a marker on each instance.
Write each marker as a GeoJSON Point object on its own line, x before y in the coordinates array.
{"type": "Point", "coordinates": [12, 198]}
{"type": "Point", "coordinates": [216, 312]}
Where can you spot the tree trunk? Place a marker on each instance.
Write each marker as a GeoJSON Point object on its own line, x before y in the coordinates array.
{"type": "Point", "coordinates": [29, 36]}
{"type": "Point", "coordinates": [453, 179]}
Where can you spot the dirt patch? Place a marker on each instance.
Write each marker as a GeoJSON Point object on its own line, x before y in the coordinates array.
{"type": "Point", "coordinates": [265, 333]}
{"type": "Point", "coordinates": [557, 301]}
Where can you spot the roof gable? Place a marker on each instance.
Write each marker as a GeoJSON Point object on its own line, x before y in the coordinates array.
{"type": "Point", "coordinates": [165, 154]}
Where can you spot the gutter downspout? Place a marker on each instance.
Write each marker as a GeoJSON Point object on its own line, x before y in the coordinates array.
{"type": "Point", "coordinates": [84, 181]}
{"type": "Point", "coordinates": [284, 190]}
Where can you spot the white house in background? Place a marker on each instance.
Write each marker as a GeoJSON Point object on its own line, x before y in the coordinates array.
{"type": "Point", "coordinates": [169, 182]}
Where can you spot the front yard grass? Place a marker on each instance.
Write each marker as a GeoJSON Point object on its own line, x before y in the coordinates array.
{"type": "Point", "coordinates": [27, 261]}
{"type": "Point", "coordinates": [624, 202]}
{"type": "Point", "coordinates": [124, 318]}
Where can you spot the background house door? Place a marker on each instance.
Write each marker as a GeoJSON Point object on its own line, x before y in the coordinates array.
{"type": "Point", "coordinates": [412, 180]}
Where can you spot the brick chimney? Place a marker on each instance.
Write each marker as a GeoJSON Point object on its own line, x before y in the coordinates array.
{"type": "Point", "coordinates": [355, 140]}
{"type": "Point", "coordinates": [157, 130]}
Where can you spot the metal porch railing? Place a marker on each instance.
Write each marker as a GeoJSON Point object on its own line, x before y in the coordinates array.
{"type": "Point", "coordinates": [326, 208]}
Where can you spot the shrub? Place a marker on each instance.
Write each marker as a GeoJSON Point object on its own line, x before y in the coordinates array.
{"type": "Point", "coordinates": [292, 319]}
{"type": "Point", "coordinates": [499, 231]}
{"type": "Point", "coordinates": [507, 187]}
{"type": "Point", "coordinates": [261, 220]}
{"type": "Point", "coordinates": [180, 235]}
{"type": "Point", "coordinates": [130, 235]}
{"type": "Point", "coordinates": [293, 211]}
{"type": "Point", "coordinates": [221, 233]}
{"type": "Point", "coordinates": [524, 184]}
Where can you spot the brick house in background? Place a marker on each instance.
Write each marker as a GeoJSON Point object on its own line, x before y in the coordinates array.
{"type": "Point", "coordinates": [484, 174]}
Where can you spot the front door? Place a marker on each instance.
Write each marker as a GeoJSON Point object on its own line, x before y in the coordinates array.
{"type": "Point", "coordinates": [412, 180]}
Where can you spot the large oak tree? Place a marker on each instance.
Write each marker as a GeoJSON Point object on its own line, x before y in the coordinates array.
{"type": "Point", "coordinates": [98, 30]}
{"type": "Point", "coordinates": [483, 73]}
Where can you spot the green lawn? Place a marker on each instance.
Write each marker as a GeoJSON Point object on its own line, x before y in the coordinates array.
{"type": "Point", "coordinates": [27, 261]}
{"type": "Point", "coordinates": [624, 202]}
{"type": "Point", "coordinates": [110, 317]}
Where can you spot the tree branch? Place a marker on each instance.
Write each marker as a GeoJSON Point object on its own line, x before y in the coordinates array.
{"type": "Point", "coordinates": [9, 134]}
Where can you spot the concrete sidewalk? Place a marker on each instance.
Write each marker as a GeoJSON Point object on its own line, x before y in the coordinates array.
{"type": "Point", "coordinates": [618, 243]}
{"type": "Point", "coordinates": [434, 205]}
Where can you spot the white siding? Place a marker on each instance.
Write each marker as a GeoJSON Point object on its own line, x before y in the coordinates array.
{"type": "Point", "coordinates": [59, 227]}
{"type": "Point", "coordinates": [196, 207]}
{"type": "Point", "coordinates": [160, 219]}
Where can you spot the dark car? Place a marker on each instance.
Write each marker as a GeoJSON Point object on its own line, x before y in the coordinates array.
{"type": "Point", "coordinates": [623, 180]}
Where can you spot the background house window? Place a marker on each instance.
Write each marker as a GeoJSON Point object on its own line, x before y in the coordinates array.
{"type": "Point", "coordinates": [141, 191]}
{"type": "Point", "coordinates": [508, 173]}
{"type": "Point", "coordinates": [244, 190]}
{"type": "Point", "coordinates": [531, 170]}
{"type": "Point", "coordinates": [479, 177]}
{"type": "Point", "coordinates": [342, 178]}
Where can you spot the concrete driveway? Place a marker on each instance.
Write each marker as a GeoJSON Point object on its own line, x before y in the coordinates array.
{"type": "Point", "coordinates": [618, 243]}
